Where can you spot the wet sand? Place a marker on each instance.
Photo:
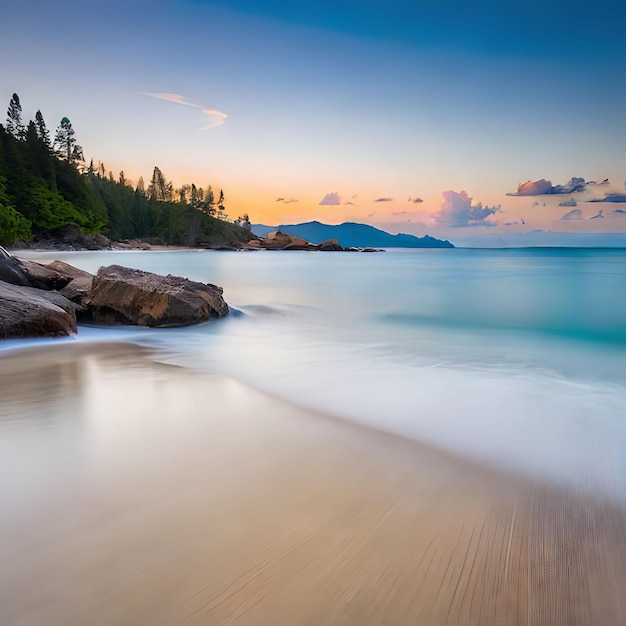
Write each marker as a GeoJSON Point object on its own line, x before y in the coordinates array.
{"type": "Point", "coordinates": [139, 493]}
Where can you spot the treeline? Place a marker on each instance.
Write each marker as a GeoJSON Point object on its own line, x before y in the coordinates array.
{"type": "Point", "coordinates": [45, 186]}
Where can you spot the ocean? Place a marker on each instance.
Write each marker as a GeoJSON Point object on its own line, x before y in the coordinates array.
{"type": "Point", "coordinates": [515, 358]}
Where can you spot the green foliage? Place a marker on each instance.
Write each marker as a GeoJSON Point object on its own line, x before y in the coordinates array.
{"type": "Point", "coordinates": [49, 210]}
{"type": "Point", "coordinates": [13, 225]}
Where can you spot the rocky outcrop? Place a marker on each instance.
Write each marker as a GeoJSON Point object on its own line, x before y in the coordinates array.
{"type": "Point", "coordinates": [125, 296]}
{"type": "Point", "coordinates": [277, 240]}
{"type": "Point", "coordinates": [281, 241]}
{"type": "Point", "coordinates": [46, 299]}
{"type": "Point", "coordinates": [30, 312]}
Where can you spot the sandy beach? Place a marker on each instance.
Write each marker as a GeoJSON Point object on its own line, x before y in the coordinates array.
{"type": "Point", "coordinates": [140, 493]}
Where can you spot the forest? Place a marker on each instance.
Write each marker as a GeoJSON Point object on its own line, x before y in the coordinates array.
{"type": "Point", "coordinates": [46, 186]}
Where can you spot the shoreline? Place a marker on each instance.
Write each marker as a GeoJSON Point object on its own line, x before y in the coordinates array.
{"type": "Point", "coordinates": [201, 500]}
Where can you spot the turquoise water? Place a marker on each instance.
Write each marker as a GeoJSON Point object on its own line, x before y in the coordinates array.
{"type": "Point", "coordinates": [516, 358]}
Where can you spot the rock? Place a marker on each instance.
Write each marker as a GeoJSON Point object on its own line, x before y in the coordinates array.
{"type": "Point", "coordinates": [278, 240]}
{"type": "Point", "coordinates": [330, 245]}
{"type": "Point", "coordinates": [78, 290]}
{"type": "Point", "coordinates": [30, 312]}
{"type": "Point", "coordinates": [55, 275]}
{"type": "Point", "coordinates": [11, 272]}
{"type": "Point", "coordinates": [69, 238]}
{"type": "Point", "coordinates": [125, 296]}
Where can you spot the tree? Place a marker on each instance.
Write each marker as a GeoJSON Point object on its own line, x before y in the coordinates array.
{"type": "Point", "coordinates": [65, 142]}
{"type": "Point", "coordinates": [159, 190]}
{"type": "Point", "coordinates": [141, 187]}
{"type": "Point", "coordinates": [208, 204]}
{"type": "Point", "coordinates": [220, 206]}
{"type": "Point", "coordinates": [42, 130]}
{"type": "Point", "coordinates": [15, 126]}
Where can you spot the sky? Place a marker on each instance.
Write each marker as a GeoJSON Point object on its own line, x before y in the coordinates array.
{"type": "Point", "coordinates": [422, 116]}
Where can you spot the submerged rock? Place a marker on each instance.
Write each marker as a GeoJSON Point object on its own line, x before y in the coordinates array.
{"type": "Point", "coordinates": [120, 295]}
{"type": "Point", "coordinates": [30, 312]}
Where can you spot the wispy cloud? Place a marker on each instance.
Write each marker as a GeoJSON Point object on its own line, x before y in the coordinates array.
{"type": "Point", "coordinates": [289, 201]}
{"type": "Point", "coordinates": [415, 200]}
{"type": "Point", "coordinates": [457, 211]}
{"type": "Point", "coordinates": [331, 198]}
{"type": "Point", "coordinates": [383, 200]}
{"type": "Point", "coordinates": [399, 212]}
{"type": "Point", "coordinates": [215, 117]}
{"type": "Point", "coordinates": [611, 197]}
{"type": "Point", "coordinates": [371, 214]}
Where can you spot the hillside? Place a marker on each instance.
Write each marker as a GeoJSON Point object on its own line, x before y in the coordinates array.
{"type": "Point", "coordinates": [352, 234]}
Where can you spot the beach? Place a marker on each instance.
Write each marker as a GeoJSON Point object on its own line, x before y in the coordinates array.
{"type": "Point", "coordinates": [136, 492]}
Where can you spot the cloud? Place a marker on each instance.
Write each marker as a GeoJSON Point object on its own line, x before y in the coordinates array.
{"type": "Point", "coordinates": [598, 182]}
{"type": "Point", "coordinates": [348, 202]}
{"type": "Point", "coordinates": [575, 214]}
{"type": "Point", "coordinates": [371, 214]}
{"type": "Point", "coordinates": [171, 97]}
{"type": "Point", "coordinates": [331, 198]}
{"type": "Point", "coordinates": [415, 200]}
{"type": "Point", "coordinates": [611, 197]}
{"type": "Point", "coordinates": [383, 200]}
{"type": "Point", "coordinates": [215, 117]}
{"type": "Point", "coordinates": [570, 202]}
{"type": "Point", "coordinates": [620, 211]}
{"type": "Point", "coordinates": [457, 210]}
{"type": "Point", "coordinates": [544, 187]}
{"type": "Point", "coordinates": [280, 199]}
{"type": "Point", "coordinates": [290, 200]}
{"type": "Point", "coordinates": [399, 212]}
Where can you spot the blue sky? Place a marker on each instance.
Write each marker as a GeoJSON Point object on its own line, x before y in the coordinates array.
{"type": "Point", "coordinates": [370, 101]}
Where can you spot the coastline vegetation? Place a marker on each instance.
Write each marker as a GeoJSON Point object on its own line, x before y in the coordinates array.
{"type": "Point", "coordinates": [46, 186]}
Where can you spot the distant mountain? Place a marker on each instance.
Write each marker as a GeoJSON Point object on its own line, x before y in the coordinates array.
{"type": "Point", "coordinates": [351, 234]}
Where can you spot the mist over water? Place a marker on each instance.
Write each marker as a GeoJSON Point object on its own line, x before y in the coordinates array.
{"type": "Point", "coordinates": [515, 358]}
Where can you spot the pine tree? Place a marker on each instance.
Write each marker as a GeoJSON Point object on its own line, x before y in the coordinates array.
{"type": "Point", "coordinates": [208, 205]}
{"type": "Point", "coordinates": [220, 206]}
{"type": "Point", "coordinates": [42, 130]}
{"type": "Point", "coordinates": [141, 188]}
{"type": "Point", "coordinates": [15, 126]}
{"type": "Point", "coordinates": [65, 142]}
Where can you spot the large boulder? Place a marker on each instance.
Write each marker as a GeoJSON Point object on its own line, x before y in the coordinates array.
{"type": "Point", "coordinates": [330, 245]}
{"type": "Point", "coordinates": [55, 275]}
{"type": "Point", "coordinates": [278, 240]}
{"type": "Point", "coordinates": [120, 295]}
{"type": "Point", "coordinates": [29, 312]}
